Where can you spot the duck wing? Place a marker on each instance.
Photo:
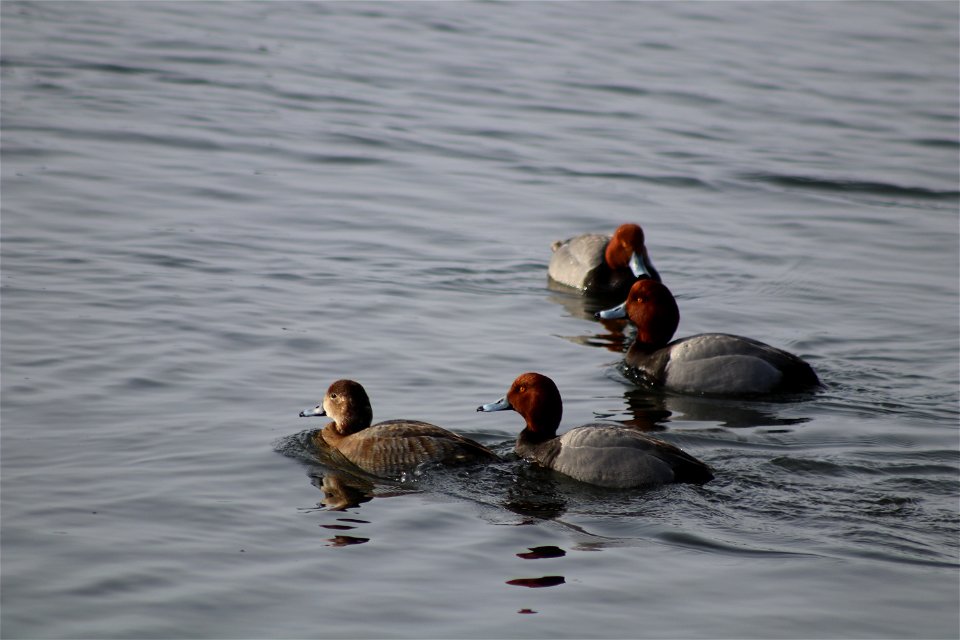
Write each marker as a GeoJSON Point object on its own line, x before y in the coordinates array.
{"type": "Point", "coordinates": [615, 456]}
{"type": "Point", "coordinates": [720, 363]}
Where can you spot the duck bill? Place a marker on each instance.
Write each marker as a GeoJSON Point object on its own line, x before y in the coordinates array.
{"type": "Point", "coordinates": [313, 412]}
{"type": "Point", "coordinates": [499, 405]}
{"type": "Point", "coordinates": [617, 312]}
{"type": "Point", "coordinates": [640, 265]}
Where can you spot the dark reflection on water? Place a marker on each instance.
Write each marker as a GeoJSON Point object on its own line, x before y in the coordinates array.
{"type": "Point", "coordinates": [533, 494]}
{"type": "Point", "coordinates": [536, 583]}
{"type": "Point", "coordinates": [342, 491]}
{"type": "Point", "coordinates": [539, 553]}
{"type": "Point", "coordinates": [582, 306]}
{"type": "Point", "coordinates": [653, 410]}
{"type": "Point", "coordinates": [346, 541]}
{"type": "Point", "coordinates": [585, 307]}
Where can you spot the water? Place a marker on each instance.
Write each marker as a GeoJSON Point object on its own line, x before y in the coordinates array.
{"type": "Point", "coordinates": [211, 211]}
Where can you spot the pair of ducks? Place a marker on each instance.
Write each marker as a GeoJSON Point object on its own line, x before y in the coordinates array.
{"type": "Point", "coordinates": [600, 454]}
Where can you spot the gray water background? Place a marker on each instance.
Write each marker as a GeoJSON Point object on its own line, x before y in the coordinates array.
{"type": "Point", "coordinates": [212, 210]}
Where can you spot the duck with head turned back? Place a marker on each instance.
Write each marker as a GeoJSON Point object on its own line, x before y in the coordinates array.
{"type": "Point", "coordinates": [601, 454]}
{"type": "Point", "coordinates": [602, 265]}
{"type": "Point", "coordinates": [707, 363]}
{"type": "Point", "coordinates": [387, 449]}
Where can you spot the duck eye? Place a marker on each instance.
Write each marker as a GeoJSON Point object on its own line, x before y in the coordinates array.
{"type": "Point", "coordinates": [522, 388]}
{"type": "Point", "coordinates": [332, 396]}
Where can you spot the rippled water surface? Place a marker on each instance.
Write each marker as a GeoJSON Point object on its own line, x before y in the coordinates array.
{"type": "Point", "coordinates": [212, 210]}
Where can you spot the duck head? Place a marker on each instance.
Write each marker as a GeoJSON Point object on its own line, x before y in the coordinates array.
{"type": "Point", "coordinates": [652, 308]}
{"type": "Point", "coordinates": [347, 403]}
{"type": "Point", "coordinates": [535, 397]}
{"type": "Point", "coordinates": [627, 249]}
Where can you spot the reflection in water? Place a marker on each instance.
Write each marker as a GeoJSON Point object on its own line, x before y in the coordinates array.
{"type": "Point", "coordinates": [653, 409]}
{"type": "Point", "coordinates": [345, 541]}
{"type": "Point", "coordinates": [539, 553]}
{"type": "Point", "coordinates": [578, 305]}
{"type": "Point", "coordinates": [585, 308]}
{"type": "Point", "coordinates": [534, 583]}
{"type": "Point", "coordinates": [612, 341]}
{"type": "Point", "coordinates": [342, 491]}
{"type": "Point", "coordinates": [647, 412]}
{"type": "Point", "coordinates": [534, 495]}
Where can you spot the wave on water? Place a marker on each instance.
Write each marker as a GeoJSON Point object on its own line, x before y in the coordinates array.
{"type": "Point", "coordinates": [851, 186]}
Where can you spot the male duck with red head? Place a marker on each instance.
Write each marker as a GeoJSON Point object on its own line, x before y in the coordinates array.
{"type": "Point", "coordinates": [707, 363]}
{"type": "Point", "coordinates": [606, 455]}
{"type": "Point", "coordinates": [602, 265]}
{"type": "Point", "coordinates": [387, 449]}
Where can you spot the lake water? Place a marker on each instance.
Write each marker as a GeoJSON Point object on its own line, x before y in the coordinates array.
{"type": "Point", "coordinates": [210, 211]}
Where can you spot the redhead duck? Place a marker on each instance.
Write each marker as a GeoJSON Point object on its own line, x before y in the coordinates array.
{"type": "Point", "coordinates": [599, 264]}
{"type": "Point", "coordinates": [714, 363]}
{"type": "Point", "coordinates": [606, 455]}
{"type": "Point", "coordinates": [390, 448]}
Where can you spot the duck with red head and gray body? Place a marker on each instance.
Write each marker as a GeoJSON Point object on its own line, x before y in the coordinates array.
{"type": "Point", "coordinates": [707, 363]}
{"type": "Point", "coordinates": [602, 265]}
{"type": "Point", "coordinates": [390, 448]}
{"type": "Point", "coordinates": [601, 454]}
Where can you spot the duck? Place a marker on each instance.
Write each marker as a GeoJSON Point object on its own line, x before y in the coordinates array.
{"type": "Point", "coordinates": [602, 265]}
{"type": "Point", "coordinates": [390, 448]}
{"type": "Point", "coordinates": [707, 363]}
{"type": "Point", "coordinates": [601, 454]}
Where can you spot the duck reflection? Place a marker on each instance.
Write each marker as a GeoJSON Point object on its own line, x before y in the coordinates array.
{"type": "Point", "coordinates": [545, 552]}
{"type": "Point", "coordinates": [585, 308]}
{"type": "Point", "coordinates": [652, 410]}
{"type": "Point", "coordinates": [342, 491]}
{"type": "Point", "coordinates": [534, 583]}
{"type": "Point", "coordinates": [346, 541]}
{"type": "Point", "coordinates": [540, 553]}
{"type": "Point", "coordinates": [534, 494]}
{"type": "Point", "coordinates": [647, 412]}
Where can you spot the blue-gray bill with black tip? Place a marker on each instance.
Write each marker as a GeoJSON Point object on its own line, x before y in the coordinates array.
{"type": "Point", "coordinates": [313, 411]}
{"type": "Point", "coordinates": [615, 313]}
{"type": "Point", "coordinates": [499, 405]}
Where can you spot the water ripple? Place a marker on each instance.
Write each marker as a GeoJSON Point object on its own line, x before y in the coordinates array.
{"type": "Point", "coordinates": [852, 186]}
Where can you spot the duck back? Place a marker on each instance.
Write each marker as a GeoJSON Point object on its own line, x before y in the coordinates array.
{"type": "Point", "coordinates": [720, 363]}
{"type": "Point", "coordinates": [575, 261]}
{"type": "Point", "coordinates": [617, 457]}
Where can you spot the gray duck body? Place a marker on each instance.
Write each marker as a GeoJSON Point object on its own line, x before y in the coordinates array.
{"type": "Point", "coordinates": [614, 456]}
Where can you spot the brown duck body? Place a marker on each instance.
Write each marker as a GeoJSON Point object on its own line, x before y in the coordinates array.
{"type": "Point", "coordinates": [391, 448]}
